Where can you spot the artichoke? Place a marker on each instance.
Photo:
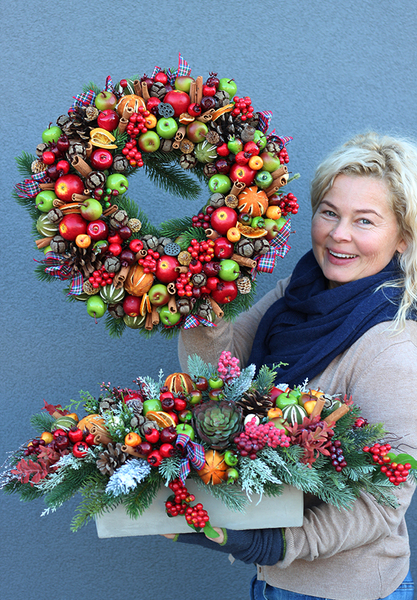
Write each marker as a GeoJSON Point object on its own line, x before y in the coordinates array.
{"type": "Point", "coordinates": [217, 422]}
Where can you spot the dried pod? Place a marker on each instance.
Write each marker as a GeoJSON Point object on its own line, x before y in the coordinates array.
{"type": "Point", "coordinates": [261, 246]}
{"type": "Point", "coordinates": [184, 306]}
{"type": "Point", "coordinates": [120, 163]}
{"type": "Point", "coordinates": [158, 90]}
{"type": "Point", "coordinates": [184, 258]}
{"type": "Point", "coordinates": [40, 149]}
{"type": "Point", "coordinates": [186, 146]}
{"type": "Point", "coordinates": [134, 225]}
{"type": "Point", "coordinates": [217, 200]}
{"type": "Point", "coordinates": [116, 311]}
{"type": "Point", "coordinates": [205, 152]}
{"type": "Point", "coordinates": [95, 179]}
{"type": "Point", "coordinates": [248, 134]}
{"type": "Point", "coordinates": [166, 146]}
{"type": "Point", "coordinates": [89, 289]}
{"type": "Point", "coordinates": [173, 249]}
{"type": "Point", "coordinates": [212, 137]}
{"type": "Point", "coordinates": [112, 264]}
{"type": "Point", "coordinates": [119, 219]}
{"type": "Point", "coordinates": [199, 279]}
{"type": "Point", "coordinates": [244, 285]}
{"type": "Point", "coordinates": [150, 242]}
{"type": "Point", "coordinates": [210, 169]}
{"type": "Point", "coordinates": [188, 161]}
{"type": "Point", "coordinates": [58, 244]}
{"type": "Point", "coordinates": [91, 113]}
{"type": "Point", "coordinates": [205, 310]}
{"type": "Point", "coordinates": [222, 98]}
{"type": "Point", "coordinates": [245, 247]}
{"type": "Point", "coordinates": [77, 149]}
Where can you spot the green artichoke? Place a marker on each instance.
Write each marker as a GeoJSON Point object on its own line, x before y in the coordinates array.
{"type": "Point", "coordinates": [217, 422]}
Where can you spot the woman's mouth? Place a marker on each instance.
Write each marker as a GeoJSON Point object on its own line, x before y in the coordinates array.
{"type": "Point", "coordinates": [341, 255]}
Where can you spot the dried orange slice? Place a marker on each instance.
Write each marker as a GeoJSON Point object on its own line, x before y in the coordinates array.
{"type": "Point", "coordinates": [221, 111]}
{"type": "Point", "coordinates": [101, 138]}
{"type": "Point", "coordinates": [161, 418]}
{"type": "Point", "coordinates": [145, 305]}
{"type": "Point", "coordinates": [251, 232]}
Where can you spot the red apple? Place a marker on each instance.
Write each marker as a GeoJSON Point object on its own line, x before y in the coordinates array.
{"type": "Point", "coordinates": [179, 101]}
{"type": "Point", "coordinates": [131, 305]}
{"type": "Point", "coordinates": [242, 173]}
{"type": "Point", "coordinates": [222, 219]}
{"type": "Point", "coordinates": [97, 230]}
{"type": "Point", "coordinates": [101, 159]}
{"type": "Point", "coordinates": [223, 248]}
{"type": "Point", "coordinates": [71, 226]}
{"type": "Point", "coordinates": [183, 83]}
{"type": "Point", "coordinates": [225, 292]}
{"type": "Point", "coordinates": [108, 119]}
{"type": "Point", "coordinates": [197, 131]}
{"type": "Point", "coordinates": [158, 294]}
{"type": "Point", "coordinates": [165, 269]}
{"type": "Point", "coordinates": [67, 185]}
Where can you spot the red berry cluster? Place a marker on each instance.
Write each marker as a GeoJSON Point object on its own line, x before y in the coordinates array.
{"type": "Point", "coordinates": [195, 516]}
{"type": "Point", "coordinates": [101, 278]}
{"type": "Point", "coordinates": [137, 122]}
{"type": "Point", "coordinates": [203, 220]}
{"type": "Point", "coordinates": [34, 447]}
{"type": "Point", "coordinates": [243, 106]}
{"type": "Point", "coordinates": [202, 251]}
{"type": "Point", "coordinates": [396, 472]}
{"type": "Point", "coordinates": [255, 437]}
{"type": "Point", "coordinates": [283, 156]}
{"type": "Point", "coordinates": [132, 153]}
{"type": "Point", "coordinates": [183, 285]}
{"type": "Point", "coordinates": [336, 456]}
{"type": "Point", "coordinates": [149, 261]}
{"type": "Point", "coordinates": [288, 204]}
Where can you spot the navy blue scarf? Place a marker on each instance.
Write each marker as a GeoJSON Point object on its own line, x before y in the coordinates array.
{"type": "Point", "coordinates": [312, 324]}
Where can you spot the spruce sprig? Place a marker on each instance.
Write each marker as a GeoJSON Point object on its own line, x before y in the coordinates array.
{"type": "Point", "coordinates": [172, 178]}
{"type": "Point", "coordinates": [24, 164]}
{"type": "Point", "coordinates": [42, 422]}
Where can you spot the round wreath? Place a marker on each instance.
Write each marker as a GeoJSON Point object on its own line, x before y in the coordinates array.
{"type": "Point", "coordinates": [94, 236]}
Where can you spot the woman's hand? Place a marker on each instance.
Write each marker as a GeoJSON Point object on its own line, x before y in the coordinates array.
{"type": "Point", "coordinates": [219, 539]}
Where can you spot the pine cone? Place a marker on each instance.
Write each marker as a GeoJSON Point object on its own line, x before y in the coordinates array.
{"type": "Point", "coordinates": [111, 459]}
{"type": "Point", "coordinates": [134, 225]}
{"type": "Point", "coordinates": [253, 403]}
{"type": "Point", "coordinates": [106, 404]}
{"type": "Point", "coordinates": [244, 285]}
{"type": "Point", "coordinates": [38, 166]}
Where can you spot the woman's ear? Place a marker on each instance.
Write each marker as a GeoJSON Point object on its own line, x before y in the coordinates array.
{"type": "Point", "coordinates": [402, 245]}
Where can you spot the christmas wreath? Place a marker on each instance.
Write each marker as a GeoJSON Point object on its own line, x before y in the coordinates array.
{"type": "Point", "coordinates": [95, 237]}
{"type": "Point", "coordinates": [233, 433]}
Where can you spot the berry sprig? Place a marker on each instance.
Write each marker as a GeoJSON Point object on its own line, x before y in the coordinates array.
{"type": "Point", "coordinates": [255, 437]}
{"type": "Point", "coordinates": [243, 107]}
{"type": "Point", "coordinates": [149, 261]}
{"type": "Point", "coordinates": [131, 152]}
{"type": "Point", "coordinates": [202, 251]}
{"type": "Point", "coordinates": [283, 156]}
{"type": "Point", "coordinates": [100, 278]}
{"type": "Point", "coordinates": [288, 204]}
{"type": "Point", "coordinates": [203, 219]}
{"type": "Point", "coordinates": [336, 455]}
{"type": "Point", "coordinates": [396, 472]}
{"type": "Point", "coordinates": [228, 366]}
{"type": "Point", "coordinates": [180, 504]}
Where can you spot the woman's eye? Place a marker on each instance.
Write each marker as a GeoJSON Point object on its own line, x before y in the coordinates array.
{"type": "Point", "coordinates": [329, 213]}
{"type": "Point", "coordinates": [365, 221]}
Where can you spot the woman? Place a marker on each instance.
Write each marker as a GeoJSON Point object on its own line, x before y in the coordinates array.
{"type": "Point", "coordinates": [346, 320]}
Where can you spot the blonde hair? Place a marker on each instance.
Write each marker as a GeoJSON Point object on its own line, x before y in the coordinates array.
{"type": "Point", "coordinates": [394, 161]}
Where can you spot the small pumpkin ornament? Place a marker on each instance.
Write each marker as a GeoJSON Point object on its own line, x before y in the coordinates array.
{"type": "Point", "coordinates": [253, 201]}
{"type": "Point", "coordinates": [179, 383]}
{"type": "Point", "coordinates": [137, 281]}
{"type": "Point", "coordinates": [214, 470]}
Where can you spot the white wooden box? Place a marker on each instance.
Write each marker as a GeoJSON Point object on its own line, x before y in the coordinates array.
{"type": "Point", "coordinates": [284, 511]}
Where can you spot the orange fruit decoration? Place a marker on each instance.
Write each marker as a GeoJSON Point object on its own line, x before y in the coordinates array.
{"type": "Point", "coordinates": [179, 382]}
{"type": "Point", "coordinates": [161, 418]}
{"type": "Point", "coordinates": [215, 469]}
{"type": "Point", "coordinates": [90, 420]}
{"type": "Point", "coordinates": [274, 413]}
{"type": "Point", "coordinates": [251, 232]}
{"type": "Point", "coordinates": [102, 138]}
{"type": "Point", "coordinates": [252, 201]}
{"type": "Point", "coordinates": [132, 101]}
{"type": "Point", "coordinates": [137, 281]}
{"type": "Point", "coordinates": [233, 234]}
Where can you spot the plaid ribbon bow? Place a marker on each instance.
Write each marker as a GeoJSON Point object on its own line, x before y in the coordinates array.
{"type": "Point", "coordinates": [278, 247]}
{"type": "Point", "coordinates": [195, 320]}
{"type": "Point", "coordinates": [58, 266]}
{"type": "Point", "coordinates": [30, 187]}
{"type": "Point", "coordinates": [194, 454]}
{"type": "Point", "coordinates": [183, 69]}
{"type": "Point", "coordinates": [264, 118]}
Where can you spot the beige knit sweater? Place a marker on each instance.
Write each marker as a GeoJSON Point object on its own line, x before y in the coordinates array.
{"type": "Point", "coordinates": [358, 554]}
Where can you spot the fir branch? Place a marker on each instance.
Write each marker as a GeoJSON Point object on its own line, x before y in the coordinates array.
{"type": "Point", "coordinates": [42, 422]}
{"type": "Point", "coordinates": [240, 385]}
{"type": "Point", "coordinates": [29, 205]}
{"type": "Point", "coordinates": [172, 178]}
{"type": "Point", "coordinates": [68, 483]}
{"type": "Point", "coordinates": [169, 469]}
{"type": "Point", "coordinates": [95, 501]}
{"type": "Point", "coordinates": [26, 491]}
{"type": "Point", "coordinates": [179, 227]}
{"type": "Point", "coordinates": [92, 86]}
{"type": "Point", "coordinates": [24, 164]}
{"type": "Point", "coordinates": [230, 495]}
{"type": "Point", "coordinates": [265, 379]}
{"type": "Point", "coordinates": [128, 476]}
{"type": "Point", "coordinates": [196, 367]}
{"type": "Point", "coordinates": [115, 327]}
{"type": "Point", "coordinates": [41, 275]}
{"type": "Point", "coordinates": [254, 474]}
{"type": "Point", "coordinates": [142, 496]}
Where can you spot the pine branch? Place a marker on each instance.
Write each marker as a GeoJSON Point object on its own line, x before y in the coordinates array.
{"type": "Point", "coordinates": [95, 501]}
{"type": "Point", "coordinates": [24, 164]}
{"type": "Point", "coordinates": [172, 178]}
{"type": "Point", "coordinates": [169, 468]}
{"type": "Point", "coordinates": [115, 327]}
{"type": "Point", "coordinates": [142, 497]}
{"type": "Point", "coordinates": [198, 368]}
{"type": "Point", "coordinates": [240, 385]}
{"type": "Point", "coordinates": [92, 86]}
{"type": "Point", "coordinates": [41, 275]}
{"type": "Point", "coordinates": [179, 227]}
{"type": "Point", "coordinates": [70, 482]}
{"type": "Point", "coordinates": [230, 495]}
{"type": "Point", "coordinates": [265, 379]}
{"type": "Point", "coordinates": [42, 422]}
{"type": "Point", "coordinates": [26, 491]}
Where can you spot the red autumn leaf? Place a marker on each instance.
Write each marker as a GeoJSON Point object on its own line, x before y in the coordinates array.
{"type": "Point", "coordinates": [30, 471]}
{"type": "Point", "coordinates": [51, 408]}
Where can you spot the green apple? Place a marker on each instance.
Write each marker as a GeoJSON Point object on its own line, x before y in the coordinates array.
{"type": "Point", "coordinates": [44, 200]}
{"type": "Point", "coordinates": [220, 183]}
{"type": "Point", "coordinates": [167, 317]}
{"type": "Point", "coordinates": [151, 404]}
{"type": "Point", "coordinates": [227, 85]}
{"type": "Point", "coordinates": [52, 134]}
{"type": "Point", "coordinates": [286, 399]}
{"type": "Point", "coordinates": [117, 182]}
{"type": "Point", "coordinates": [279, 424]}
{"type": "Point", "coordinates": [149, 141]}
{"type": "Point", "coordinates": [197, 131]}
{"type": "Point", "coordinates": [260, 139]}
{"type": "Point", "coordinates": [271, 162]}
{"type": "Point", "coordinates": [105, 100]}
{"type": "Point", "coordinates": [91, 209]}
{"type": "Point", "coordinates": [183, 83]}
{"type": "Point", "coordinates": [96, 307]}
{"type": "Point", "coordinates": [230, 458]}
{"type": "Point", "coordinates": [167, 128]}
{"type": "Point", "coordinates": [263, 179]}
{"type": "Point", "coordinates": [186, 429]}
{"type": "Point", "coordinates": [235, 145]}
{"type": "Point", "coordinates": [229, 269]}
{"type": "Point", "coordinates": [158, 294]}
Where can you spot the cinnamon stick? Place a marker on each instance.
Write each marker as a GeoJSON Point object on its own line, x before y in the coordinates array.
{"type": "Point", "coordinates": [282, 170]}
{"type": "Point", "coordinates": [120, 278]}
{"type": "Point", "coordinates": [109, 211]}
{"type": "Point", "coordinates": [244, 261]}
{"type": "Point", "coordinates": [237, 188]}
{"type": "Point", "coordinates": [193, 92]}
{"type": "Point", "coordinates": [318, 407]}
{"type": "Point", "coordinates": [205, 117]}
{"type": "Point", "coordinates": [145, 91]}
{"type": "Point", "coordinates": [80, 197]}
{"type": "Point", "coordinates": [123, 124]}
{"type": "Point", "coordinates": [181, 269]}
{"type": "Point", "coordinates": [172, 305]}
{"type": "Point", "coordinates": [337, 414]}
{"type": "Point", "coordinates": [81, 166]}
{"type": "Point", "coordinates": [137, 86]}
{"type": "Point", "coordinates": [57, 203]}
{"type": "Point", "coordinates": [47, 186]}
{"type": "Point", "coordinates": [172, 289]}
{"type": "Point", "coordinates": [43, 243]}
{"type": "Point", "coordinates": [141, 254]}
{"type": "Point", "coordinates": [211, 234]}
{"type": "Point", "coordinates": [89, 149]}
{"type": "Point", "coordinates": [148, 322]}
{"type": "Point", "coordinates": [127, 111]}
{"type": "Point", "coordinates": [217, 310]}
{"type": "Point", "coordinates": [155, 316]}
{"type": "Point", "coordinates": [132, 451]}
{"type": "Point", "coordinates": [100, 437]}
{"type": "Point", "coordinates": [199, 89]}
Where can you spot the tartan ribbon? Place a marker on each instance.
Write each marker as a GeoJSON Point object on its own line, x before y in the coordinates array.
{"type": "Point", "coordinates": [30, 187]}
{"type": "Point", "coordinates": [278, 247]}
{"type": "Point", "coordinates": [282, 140]}
{"type": "Point", "coordinates": [183, 69]}
{"type": "Point", "coordinates": [58, 266]}
{"type": "Point", "coordinates": [109, 87]}
{"type": "Point", "coordinates": [264, 119]}
{"type": "Point", "coordinates": [156, 70]}
{"type": "Point", "coordinates": [195, 320]}
{"type": "Point", "coordinates": [83, 99]}
{"type": "Point", "coordinates": [194, 454]}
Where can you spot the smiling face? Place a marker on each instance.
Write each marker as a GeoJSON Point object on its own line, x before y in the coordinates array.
{"type": "Point", "coordinates": [354, 231]}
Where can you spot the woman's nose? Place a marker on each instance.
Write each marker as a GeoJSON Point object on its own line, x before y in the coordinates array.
{"type": "Point", "coordinates": [341, 232]}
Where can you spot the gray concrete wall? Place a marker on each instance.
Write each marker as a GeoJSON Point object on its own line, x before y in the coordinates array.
{"type": "Point", "coordinates": [326, 69]}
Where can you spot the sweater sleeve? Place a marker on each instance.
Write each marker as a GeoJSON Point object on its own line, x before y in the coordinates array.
{"type": "Point", "coordinates": [260, 546]}
{"type": "Point", "coordinates": [237, 337]}
{"type": "Point", "coordinates": [384, 386]}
